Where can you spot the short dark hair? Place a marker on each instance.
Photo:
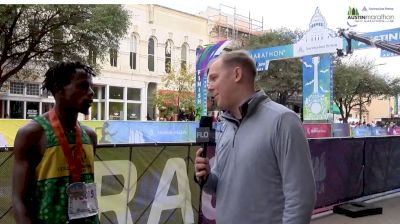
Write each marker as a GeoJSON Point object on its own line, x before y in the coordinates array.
{"type": "Point", "coordinates": [60, 74]}
{"type": "Point", "coordinates": [240, 58]}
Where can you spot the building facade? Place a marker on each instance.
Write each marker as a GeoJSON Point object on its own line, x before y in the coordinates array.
{"type": "Point", "coordinates": [160, 39]}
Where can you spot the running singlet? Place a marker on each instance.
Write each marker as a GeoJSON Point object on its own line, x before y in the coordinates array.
{"type": "Point", "coordinates": [53, 177]}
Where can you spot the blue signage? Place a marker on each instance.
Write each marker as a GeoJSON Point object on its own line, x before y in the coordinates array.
{"type": "Point", "coordinates": [263, 55]}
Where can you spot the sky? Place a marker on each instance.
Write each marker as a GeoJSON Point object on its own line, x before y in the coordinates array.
{"type": "Point", "coordinates": [291, 14]}
{"type": "Point", "coordinates": [294, 14]}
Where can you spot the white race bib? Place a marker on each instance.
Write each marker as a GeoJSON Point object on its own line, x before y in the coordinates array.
{"type": "Point", "coordinates": [82, 200]}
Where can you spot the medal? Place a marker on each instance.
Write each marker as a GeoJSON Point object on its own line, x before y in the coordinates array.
{"type": "Point", "coordinates": [76, 190]}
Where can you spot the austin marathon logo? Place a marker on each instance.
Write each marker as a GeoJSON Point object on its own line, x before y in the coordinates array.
{"type": "Point", "coordinates": [371, 14]}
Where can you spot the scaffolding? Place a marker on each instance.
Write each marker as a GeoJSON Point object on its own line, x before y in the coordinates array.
{"type": "Point", "coordinates": [226, 23]}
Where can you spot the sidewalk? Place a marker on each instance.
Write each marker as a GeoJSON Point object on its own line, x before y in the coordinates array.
{"type": "Point", "coordinates": [391, 215]}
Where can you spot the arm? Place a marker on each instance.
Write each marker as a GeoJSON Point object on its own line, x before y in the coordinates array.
{"type": "Point", "coordinates": [93, 137]}
{"type": "Point", "coordinates": [294, 160]}
{"type": "Point", "coordinates": [22, 173]}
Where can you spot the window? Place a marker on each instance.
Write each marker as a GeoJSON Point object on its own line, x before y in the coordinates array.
{"type": "Point", "coordinates": [92, 57]}
{"type": "Point", "coordinates": [32, 109]}
{"type": "Point", "coordinates": [184, 53]}
{"type": "Point", "coordinates": [17, 88]}
{"type": "Point", "coordinates": [95, 92]}
{"type": "Point", "coordinates": [116, 111]}
{"type": "Point", "coordinates": [94, 111]}
{"type": "Point", "coordinates": [133, 51]}
{"type": "Point", "coordinates": [113, 57]}
{"type": "Point", "coordinates": [116, 93]}
{"type": "Point", "coordinates": [46, 107]}
{"type": "Point", "coordinates": [103, 92]}
{"type": "Point", "coordinates": [133, 94]}
{"type": "Point", "coordinates": [32, 89]}
{"type": "Point", "coordinates": [150, 51]}
{"type": "Point", "coordinates": [17, 109]}
{"type": "Point", "coordinates": [168, 53]}
{"type": "Point", "coordinates": [133, 111]}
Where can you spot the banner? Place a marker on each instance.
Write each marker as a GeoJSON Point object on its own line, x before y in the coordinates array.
{"type": "Point", "coordinates": [148, 132]}
{"type": "Point", "coordinates": [317, 130]}
{"type": "Point", "coordinates": [264, 55]}
{"type": "Point", "coordinates": [317, 79]}
{"type": "Point", "coordinates": [361, 131]}
{"type": "Point", "coordinates": [204, 56]}
{"type": "Point", "coordinates": [340, 130]}
{"type": "Point", "coordinates": [338, 169]}
{"type": "Point", "coordinates": [382, 156]}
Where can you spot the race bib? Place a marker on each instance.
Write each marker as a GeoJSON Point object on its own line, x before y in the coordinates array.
{"type": "Point", "coordinates": [82, 201]}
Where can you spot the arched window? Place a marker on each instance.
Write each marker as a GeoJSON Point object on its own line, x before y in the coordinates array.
{"type": "Point", "coordinates": [168, 56]}
{"type": "Point", "coordinates": [184, 54]}
{"type": "Point", "coordinates": [150, 52]}
{"type": "Point", "coordinates": [133, 51]}
{"type": "Point", "coordinates": [113, 57]}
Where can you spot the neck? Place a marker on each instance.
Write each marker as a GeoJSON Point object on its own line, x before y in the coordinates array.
{"type": "Point", "coordinates": [243, 97]}
{"type": "Point", "coordinates": [67, 117]}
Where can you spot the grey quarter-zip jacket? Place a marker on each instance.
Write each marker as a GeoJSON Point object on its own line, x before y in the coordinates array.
{"type": "Point", "coordinates": [262, 172]}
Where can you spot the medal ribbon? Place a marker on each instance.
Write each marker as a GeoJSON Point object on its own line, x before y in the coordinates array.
{"type": "Point", "coordinates": [74, 162]}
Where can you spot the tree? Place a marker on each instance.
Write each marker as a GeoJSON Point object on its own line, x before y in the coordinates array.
{"type": "Point", "coordinates": [34, 35]}
{"type": "Point", "coordinates": [177, 96]}
{"type": "Point", "coordinates": [284, 77]}
{"type": "Point", "coordinates": [356, 84]}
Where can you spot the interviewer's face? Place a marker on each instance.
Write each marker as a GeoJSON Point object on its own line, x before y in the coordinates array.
{"type": "Point", "coordinates": [221, 85]}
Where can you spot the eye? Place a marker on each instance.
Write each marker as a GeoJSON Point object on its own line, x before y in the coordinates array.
{"type": "Point", "coordinates": [84, 85]}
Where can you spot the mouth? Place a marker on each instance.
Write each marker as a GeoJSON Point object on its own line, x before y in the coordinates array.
{"type": "Point", "coordinates": [89, 103]}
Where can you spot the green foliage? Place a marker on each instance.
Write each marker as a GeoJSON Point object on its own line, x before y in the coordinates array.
{"type": "Point", "coordinates": [284, 77]}
{"type": "Point", "coordinates": [356, 83]}
{"type": "Point", "coordinates": [177, 95]}
{"type": "Point", "coordinates": [41, 34]}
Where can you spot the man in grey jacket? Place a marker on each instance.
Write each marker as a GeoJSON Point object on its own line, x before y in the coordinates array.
{"type": "Point", "coordinates": [263, 171]}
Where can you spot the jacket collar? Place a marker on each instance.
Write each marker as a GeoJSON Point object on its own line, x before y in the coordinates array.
{"type": "Point", "coordinates": [249, 106]}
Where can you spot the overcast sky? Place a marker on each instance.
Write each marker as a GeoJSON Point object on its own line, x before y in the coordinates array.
{"type": "Point", "coordinates": [291, 14]}
{"type": "Point", "coordinates": [297, 14]}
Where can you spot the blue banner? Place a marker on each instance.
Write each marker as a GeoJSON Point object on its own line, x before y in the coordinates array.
{"type": "Point", "coordinates": [148, 132]}
{"type": "Point", "coordinates": [391, 36]}
{"type": "Point", "coordinates": [263, 55]}
{"type": "Point", "coordinates": [361, 131]}
{"type": "Point", "coordinates": [317, 78]}
{"type": "Point", "coordinates": [385, 54]}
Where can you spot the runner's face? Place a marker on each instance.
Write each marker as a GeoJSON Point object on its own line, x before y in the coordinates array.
{"type": "Point", "coordinates": [78, 94]}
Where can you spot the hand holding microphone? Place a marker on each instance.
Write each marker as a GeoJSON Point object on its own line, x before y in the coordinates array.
{"type": "Point", "coordinates": [205, 135]}
{"type": "Point", "coordinates": [202, 167]}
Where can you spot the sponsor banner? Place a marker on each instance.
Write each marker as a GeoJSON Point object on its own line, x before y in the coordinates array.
{"type": "Point", "coordinates": [361, 131]}
{"type": "Point", "coordinates": [204, 56]}
{"type": "Point", "coordinates": [391, 36]}
{"type": "Point", "coordinates": [264, 55]}
{"type": "Point", "coordinates": [386, 54]}
{"type": "Point", "coordinates": [395, 130]}
{"type": "Point", "coordinates": [340, 130]}
{"type": "Point", "coordinates": [148, 132]}
{"type": "Point", "coordinates": [317, 78]}
{"type": "Point", "coordinates": [378, 131]}
{"type": "Point", "coordinates": [314, 130]}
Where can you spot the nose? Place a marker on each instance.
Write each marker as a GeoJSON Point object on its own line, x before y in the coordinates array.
{"type": "Point", "coordinates": [91, 92]}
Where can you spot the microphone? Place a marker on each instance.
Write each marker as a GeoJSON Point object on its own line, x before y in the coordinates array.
{"type": "Point", "coordinates": [205, 134]}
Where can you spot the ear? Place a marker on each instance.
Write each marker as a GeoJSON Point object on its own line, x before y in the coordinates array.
{"type": "Point", "coordinates": [238, 74]}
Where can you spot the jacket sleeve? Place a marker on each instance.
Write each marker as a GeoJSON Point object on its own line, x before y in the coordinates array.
{"type": "Point", "coordinates": [212, 180]}
{"type": "Point", "coordinates": [294, 161]}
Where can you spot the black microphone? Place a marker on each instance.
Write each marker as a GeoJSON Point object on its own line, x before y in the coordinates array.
{"type": "Point", "coordinates": [205, 134]}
